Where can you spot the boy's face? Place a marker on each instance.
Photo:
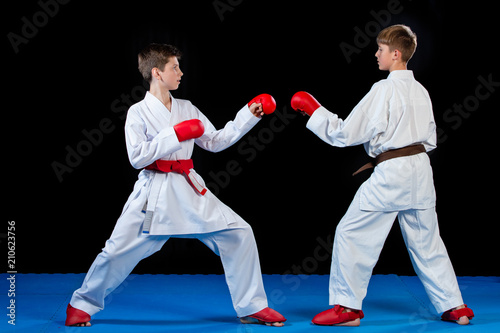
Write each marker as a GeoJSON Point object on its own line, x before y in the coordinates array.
{"type": "Point", "coordinates": [384, 57]}
{"type": "Point", "coordinates": [171, 74]}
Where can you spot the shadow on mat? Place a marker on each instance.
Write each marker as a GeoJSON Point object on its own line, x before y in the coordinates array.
{"type": "Point", "coordinates": [154, 322]}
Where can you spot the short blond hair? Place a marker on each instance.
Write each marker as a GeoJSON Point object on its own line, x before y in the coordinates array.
{"type": "Point", "coordinates": [399, 37]}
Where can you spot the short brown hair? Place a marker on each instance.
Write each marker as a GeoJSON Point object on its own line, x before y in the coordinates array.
{"type": "Point", "coordinates": [156, 55]}
{"type": "Point", "coordinates": [399, 37]}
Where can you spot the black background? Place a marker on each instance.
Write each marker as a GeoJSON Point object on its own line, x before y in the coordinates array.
{"type": "Point", "coordinates": [79, 67]}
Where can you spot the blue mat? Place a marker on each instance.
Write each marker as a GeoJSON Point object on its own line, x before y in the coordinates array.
{"type": "Point", "coordinates": [201, 303]}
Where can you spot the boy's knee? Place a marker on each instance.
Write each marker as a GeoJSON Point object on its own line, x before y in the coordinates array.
{"type": "Point", "coordinates": [243, 234]}
{"type": "Point", "coordinates": [109, 252]}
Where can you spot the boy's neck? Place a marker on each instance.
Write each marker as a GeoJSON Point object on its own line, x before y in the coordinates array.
{"type": "Point", "coordinates": [398, 66]}
{"type": "Point", "coordinates": [162, 94]}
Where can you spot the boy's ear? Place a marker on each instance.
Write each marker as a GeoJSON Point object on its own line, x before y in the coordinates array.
{"type": "Point", "coordinates": [396, 54]}
{"type": "Point", "coordinates": [154, 72]}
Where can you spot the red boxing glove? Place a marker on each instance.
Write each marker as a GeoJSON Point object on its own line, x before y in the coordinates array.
{"type": "Point", "coordinates": [305, 102]}
{"type": "Point", "coordinates": [189, 129]}
{"type": "Point", "coordinates": [267, 101]}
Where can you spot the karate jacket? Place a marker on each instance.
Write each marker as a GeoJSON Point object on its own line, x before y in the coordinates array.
{"type": "Point", "coordinates": [396, 112]}
{"type": "Point", "coordinates": [178, 208]}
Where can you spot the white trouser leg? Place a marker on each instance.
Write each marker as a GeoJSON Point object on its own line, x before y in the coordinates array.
{"type": "Point", "coordinates": [429, 257]}
{"type": "Point", "coordinates": [127, 246]}
{"type": "Point", "coordinates": [238, 252]}
{"type": "Point", "coordinates": [359, 239]}
{"type": "Point", "coordinates": [122, 252]}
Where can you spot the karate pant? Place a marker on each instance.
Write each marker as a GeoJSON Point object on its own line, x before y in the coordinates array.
{"type": "Point", "coordinates": [358, 242]}
{"type": "Point", "coordinates": [127, 246]}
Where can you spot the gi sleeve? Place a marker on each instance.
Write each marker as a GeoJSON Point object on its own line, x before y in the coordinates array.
{"type": "Point", "coordinates": [431, 142]}
{"type": "Point", "coordinates": [143, 150]}
{"type": "Point", "coordinates": [217, 140]}
{"type": "Point", "coordinates": [368, 119]}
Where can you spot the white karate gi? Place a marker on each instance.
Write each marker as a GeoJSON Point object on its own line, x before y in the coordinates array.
{"type": "Point", "coordinates": [179, 211]}
{"type": "Point", "coordinates": [397, 112]}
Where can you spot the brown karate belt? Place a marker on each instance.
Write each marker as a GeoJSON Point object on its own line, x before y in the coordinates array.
{"type": "Point", "coordinates": [394, 153]}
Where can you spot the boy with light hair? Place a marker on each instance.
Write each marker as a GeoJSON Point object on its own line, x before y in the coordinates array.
{"type": "Point", "coordinates": [395, 123]}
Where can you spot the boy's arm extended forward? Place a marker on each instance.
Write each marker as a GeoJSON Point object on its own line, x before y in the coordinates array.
{"type": "Point", "coordinates": [364, 122]}
{"type": "Point", "coordinates": [216, 140]}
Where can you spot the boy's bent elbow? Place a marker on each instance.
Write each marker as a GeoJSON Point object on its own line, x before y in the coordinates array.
{"type": "Point", "coordinates": [137, 165]}
{"type": "Point", "coordinates": [138, 162]}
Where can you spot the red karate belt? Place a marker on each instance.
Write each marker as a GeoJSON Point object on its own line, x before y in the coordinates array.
{"type": "Point", "coordinates": [179, 166]}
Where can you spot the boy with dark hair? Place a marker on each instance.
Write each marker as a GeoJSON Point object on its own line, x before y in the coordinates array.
{"type": "Point", "coordinates": [170, 199]}
{"type": "Point", "coordinates": [395, 123]}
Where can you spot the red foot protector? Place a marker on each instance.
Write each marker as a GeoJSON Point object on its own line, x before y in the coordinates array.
{"type": "Point", "coordinates": [268, 315]}
{"type": "Point", "coordinates": [75, 316]}
{"type": "Point", "coordinates": [335, 316]}
{"type": "Point", "coordinates": [456, 314]}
